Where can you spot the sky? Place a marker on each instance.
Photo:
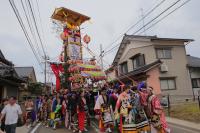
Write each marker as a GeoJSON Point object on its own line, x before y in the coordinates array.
{"type": "Point", "coordinates": [109, 19]}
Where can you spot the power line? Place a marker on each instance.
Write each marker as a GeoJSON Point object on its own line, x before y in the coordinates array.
{"type": "Point", "coordinates": [132, 26]}
{"type": "Point", "coordinates": [157, 16]}
{"type": "Point", "coordinates": [111, 50]}
{"type": "Point", "coordinates": [24, 29]}
{"type": "Point", "coordinates": [34, 20]}
{"type": "Point", "coordinates": [166, 15]}
{"type": "Point", "coordinates": [150, 21]}
{"type": "Point", "coordinates": [40, 20]}
{"type": "Point", "coordinates": [31, 27]}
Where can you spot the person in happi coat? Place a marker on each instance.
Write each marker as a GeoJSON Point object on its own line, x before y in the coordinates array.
{"type": "Point", "coordinates": [121, 111]}
{"type": "Point", "coordinates": [103, 109]}
{"type": "Point", "coordinates": [153, 109]}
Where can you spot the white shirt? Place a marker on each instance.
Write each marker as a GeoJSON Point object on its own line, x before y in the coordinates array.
{"type": "Point", "coordinates": [12, 113]}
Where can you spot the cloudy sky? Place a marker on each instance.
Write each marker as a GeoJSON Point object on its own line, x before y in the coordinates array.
{"type": "Point", "coordinates": [109, 19]}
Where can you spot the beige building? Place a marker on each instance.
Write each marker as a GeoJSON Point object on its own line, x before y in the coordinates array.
{"type": "Point", "coordinates": [162, 62]}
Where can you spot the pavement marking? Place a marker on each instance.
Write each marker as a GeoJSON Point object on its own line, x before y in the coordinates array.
{"type": "Point", "coordinates": [183, 128]}
{"type": "Point", "coordinates": [35, 128]}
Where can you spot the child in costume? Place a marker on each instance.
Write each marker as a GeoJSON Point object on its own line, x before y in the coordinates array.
{"type": "Point", "coordinates": [103, 109]}
{"type": "Point", "coordinates": [56, 116]}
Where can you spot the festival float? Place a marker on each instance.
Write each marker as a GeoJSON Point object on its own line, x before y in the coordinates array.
{"type": "Point", "coordinates": [73, 72]}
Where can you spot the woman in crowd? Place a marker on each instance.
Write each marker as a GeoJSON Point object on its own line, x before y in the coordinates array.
{"type": "Point", "coordinates": [103, 109]}
{"type": "Point", "coordinates": [45, 110]}
{"type": "Point", "coordinates": [65, 110]}
{"type": "Point", "coordinates": [81, 111]}
{"type": "Point", "coordinates": [73, 111]}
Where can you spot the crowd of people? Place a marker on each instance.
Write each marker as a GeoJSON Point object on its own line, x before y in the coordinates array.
{"type": "Point", "coordinates": [71, 109]}
{"type": "Point", "coordinates": [131, 109]}
{"type": "Point", "coordinates": [118, 108]}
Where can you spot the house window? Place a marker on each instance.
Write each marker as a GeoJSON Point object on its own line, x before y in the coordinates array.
{"type": "Point", "coordinates": [168, 83]}
{"type": "Point", "coordinates": [138, 61]}
{"type": "Point", "coordinates": [124, 67]}
{"type": "Point", "coordinates": [196, 83]}
{"type": "Point", "coordinates": [163, 53]}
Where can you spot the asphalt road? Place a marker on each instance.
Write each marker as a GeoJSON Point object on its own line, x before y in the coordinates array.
{"type": "Point", "coordinates": [61, 130]}
{"type": "Point", "coordinates": [174, 129]}
{"type": "Point", "coordinates": [178, 129]}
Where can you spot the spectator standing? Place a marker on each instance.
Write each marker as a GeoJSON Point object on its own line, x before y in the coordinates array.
{"type": "Point", "coordinates": [11, 113]}
{"type": "Point", "coordinates": [3, 104]}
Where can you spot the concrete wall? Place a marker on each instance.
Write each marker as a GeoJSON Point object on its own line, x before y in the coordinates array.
{"type": "Point", "coordinates": [153, 80]}
{"type": "Point", "coordinates": [10, 91]}
{"type": "Point", "coordinates": [136, 47]}
{"type": "Point", "coordinates": [177, 68]}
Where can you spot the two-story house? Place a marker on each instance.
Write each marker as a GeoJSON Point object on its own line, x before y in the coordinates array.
{"type": "Point", "coordinates": [161, 62]}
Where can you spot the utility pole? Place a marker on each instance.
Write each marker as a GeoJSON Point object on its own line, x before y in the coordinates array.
{"type": "Point", "coordinates": [101, 55]}
{"type": "Point", "coordinates": [45, 69]}
{"type": "Point", "coordinates": [142, 15]}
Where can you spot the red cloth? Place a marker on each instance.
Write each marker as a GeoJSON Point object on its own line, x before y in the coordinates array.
{"type": "Point", "coordinates": [57, 68]}
{"type": "Point", "coordinates": [81, 120]}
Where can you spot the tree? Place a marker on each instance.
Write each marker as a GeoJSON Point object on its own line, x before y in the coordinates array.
{"type": "Point", "coordinates": [35, 88]}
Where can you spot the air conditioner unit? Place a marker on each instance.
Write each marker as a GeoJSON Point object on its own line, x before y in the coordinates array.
{"type": "Point", "coordinates": [164, 68]}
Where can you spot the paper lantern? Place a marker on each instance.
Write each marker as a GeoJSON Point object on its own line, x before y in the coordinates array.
{"type": "Point", "coordinates": [64, 35]}
{"type": "Point", "coordinates": [86, 39]}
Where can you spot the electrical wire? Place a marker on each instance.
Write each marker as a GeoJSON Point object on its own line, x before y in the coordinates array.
{"type": "Point", "coordinates": [132, 26]}
{"type": "Point", "coordinates": [166, 16]}
{"type": "Point", "coordinates": [31, 27]}
{"type": "Point", "coordinates": [24, 30]}
{"type": "Point", "coordinates": [36, 27]}
{"type": "Point", "coordinates": [168, 8]}
{"type": "Point", "coordinates": [40, 20]}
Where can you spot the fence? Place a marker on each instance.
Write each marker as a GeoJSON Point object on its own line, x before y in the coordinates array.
{"type": "Point", "coordinates": [174, 103]}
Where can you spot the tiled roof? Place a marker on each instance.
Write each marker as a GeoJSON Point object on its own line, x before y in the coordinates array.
{"type": "Point", "coordinates": [24, 71]}
{"type": "Point", "coordinates": [127, 38]}
{"type": "Point", "coordinates": [193, 61]}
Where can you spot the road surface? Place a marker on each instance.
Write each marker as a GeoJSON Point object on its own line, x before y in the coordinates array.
{"type": "Point", "coordinates": [175, 129]}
